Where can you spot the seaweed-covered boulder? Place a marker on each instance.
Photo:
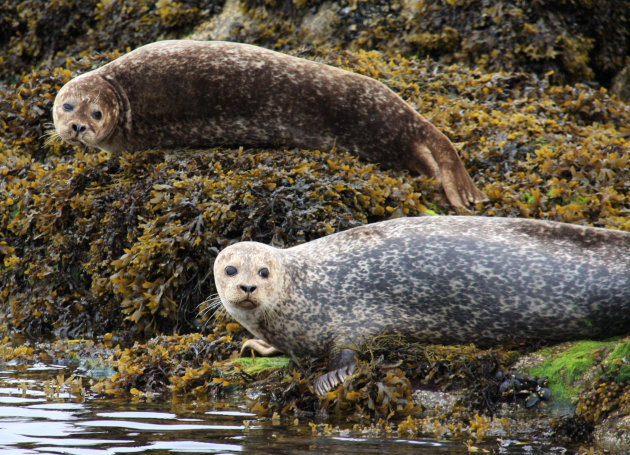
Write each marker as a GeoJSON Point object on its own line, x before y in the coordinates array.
{"type": "Point", "coordinates": [91, 243]}
{"type": "Point", "coordinates": [37, 31]}
{"type": "Point", "coordinates": [572, 41]}
{"type": "Point", "coordinates": [134, 237]}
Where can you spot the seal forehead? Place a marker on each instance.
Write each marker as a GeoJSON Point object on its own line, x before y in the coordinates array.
{"type": "Point", "coordinates": [251, 282]}
{"type": "Point", "coordinates": [245, 260]}
{"type": "Point", "coordinates": [247, 253]}
{"type": "Point", "coordinates": [86, 85]}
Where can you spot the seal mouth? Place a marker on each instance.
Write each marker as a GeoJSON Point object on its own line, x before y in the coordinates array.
{"type": "Point", "coordinates": [72, 139]}
{"type": "Point", "coordinates": [246, 304]}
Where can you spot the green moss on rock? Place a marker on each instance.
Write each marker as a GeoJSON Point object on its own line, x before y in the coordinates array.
{"type": "Point", "coordinates": [618, 363]}
{"type": "Point", "coordinates": [256, 365]}
{"type": "Point", "coordinates": [566, 369]}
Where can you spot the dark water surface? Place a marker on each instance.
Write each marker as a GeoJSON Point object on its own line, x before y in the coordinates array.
{"type": "Point", "coordinates": [35, 419]}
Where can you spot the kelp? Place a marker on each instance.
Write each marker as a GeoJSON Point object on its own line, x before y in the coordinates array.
{"type": "Point", "coordinates": [37, 32]}
{"type": "Point", "coordinates": [575, 41]}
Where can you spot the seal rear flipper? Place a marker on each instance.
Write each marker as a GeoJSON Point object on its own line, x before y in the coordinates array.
{"type": "Point", "coordinates": [342, 366]}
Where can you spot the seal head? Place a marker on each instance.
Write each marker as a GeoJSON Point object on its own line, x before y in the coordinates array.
{"type": "Point", "coordinates": [86, 111]}
{"type": "Point", "coordinates": [250, 281]}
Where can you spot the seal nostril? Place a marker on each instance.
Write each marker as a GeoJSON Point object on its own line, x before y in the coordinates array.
{"type": "Point", "coordinates": [78, 128]}
{"type": "Point", "coordinates": [248, 289]}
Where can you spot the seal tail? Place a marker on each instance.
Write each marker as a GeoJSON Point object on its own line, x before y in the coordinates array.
{"type": "Point", "coordinates": [437, 157]}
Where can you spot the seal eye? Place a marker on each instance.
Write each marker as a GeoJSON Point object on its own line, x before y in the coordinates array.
{"type": "Point", "coordinates": [264, 272]}
{"type": "Point", "coordinates": [97, 115]}
{"type": "Point", "coordinates": [230, 270]}
{"type": "Point", "coordinates": [68, 107]}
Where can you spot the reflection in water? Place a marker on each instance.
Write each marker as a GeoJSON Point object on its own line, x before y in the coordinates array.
{"type": "Point", "coordinates": [29, 424]}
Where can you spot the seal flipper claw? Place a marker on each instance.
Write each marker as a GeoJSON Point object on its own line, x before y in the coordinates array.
{"type": "Point", "coordinates": [460, 189]}
{"type": "Point", "coordinates": [436, 156]}
{"type": "Point", "coordinates": [328, 381]}
{"type": "Point", "coordinates": [346, 363]}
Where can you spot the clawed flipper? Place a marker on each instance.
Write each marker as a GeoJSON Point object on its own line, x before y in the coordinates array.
{"type": "Point", "coordinates": [259, 346]}
{"type": "Point", "coordinates": [459, 188]}
{"type": "Point", "coordinates": [342, 365]}
{"type": "Point", "coordinates": [436, 156]}
{"type": "Point", "coordinates": [328, 381]}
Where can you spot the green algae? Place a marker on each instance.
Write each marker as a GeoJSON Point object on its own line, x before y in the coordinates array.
{"type": "Point", "coordinates": [566, 370]}
{"type": "Point", "coordinates": [259, 364]}
{"type": "Point", "coordinates": [618, 363]}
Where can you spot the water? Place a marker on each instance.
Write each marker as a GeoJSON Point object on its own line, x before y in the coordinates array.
{"type": "Point", "coordinates": [36, 418]}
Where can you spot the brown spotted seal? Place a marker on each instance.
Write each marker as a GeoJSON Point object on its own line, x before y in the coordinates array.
{"type": "Point", "coordinates": [431, 279]}
{"type": "Point", "coordinates": [186, 93]}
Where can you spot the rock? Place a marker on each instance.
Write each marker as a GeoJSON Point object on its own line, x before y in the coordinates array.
{"type": "Point", "coordinates": [621, 84]}
{"type": "Point", "coordinates": [613, 434]}
{"type": "Point", "coordinates": [317, 27]}
{"type": "Point", "coordinates": [221, 26]}
{"type": "Point", "coordinates": [433, 401]}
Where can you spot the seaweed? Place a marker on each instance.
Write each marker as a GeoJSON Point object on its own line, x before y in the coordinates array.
{"type": "Point", "coordinates": [389, 369]}
{"type": "Point", "coordinates": [574, 41]}
{"type": "Point", "coordinates": [39, 34]}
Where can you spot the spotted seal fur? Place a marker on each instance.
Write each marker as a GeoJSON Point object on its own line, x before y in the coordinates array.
{"type": "Point", "coordinates": [431, 279]}
{"type": "Point", "coordinates": [185, 93]}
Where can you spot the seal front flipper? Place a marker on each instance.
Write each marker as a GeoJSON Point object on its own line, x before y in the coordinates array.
{"type": "Point", "coordinates": [459, 187]}
{"type": "Point", "coordinates": [342, 366]}
{"type": "Point", "coordinates": [259, 346]}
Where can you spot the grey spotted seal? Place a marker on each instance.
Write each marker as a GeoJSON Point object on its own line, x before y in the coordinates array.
{"type": "Point", "coordinates": [444, 279]}
{"type": "Point", "coordinates": [185, 93]}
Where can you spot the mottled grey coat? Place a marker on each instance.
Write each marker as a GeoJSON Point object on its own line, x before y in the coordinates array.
{"type": "Point", "coordinates": [440, 280]}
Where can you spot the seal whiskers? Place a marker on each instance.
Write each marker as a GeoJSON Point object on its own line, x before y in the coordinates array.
{"type": "Point", "coordinates": [211, 304]}
{"type": "Point", "coordinates": [52, 138]}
